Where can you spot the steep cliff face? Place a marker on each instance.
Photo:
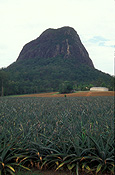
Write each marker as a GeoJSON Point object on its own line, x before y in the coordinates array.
{"type": "Point", "coordinates": [52, 43]}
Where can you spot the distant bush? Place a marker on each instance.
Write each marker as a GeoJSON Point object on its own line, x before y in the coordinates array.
{"type": "Point", "coordinates": [65, 87]}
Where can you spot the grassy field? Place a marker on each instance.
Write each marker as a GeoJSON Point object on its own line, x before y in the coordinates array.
{"type": "Point", "coordinates": [61, 133]}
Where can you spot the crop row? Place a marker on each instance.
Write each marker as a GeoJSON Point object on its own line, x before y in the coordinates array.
{"type": "Point", "coordinates": [74, 133]}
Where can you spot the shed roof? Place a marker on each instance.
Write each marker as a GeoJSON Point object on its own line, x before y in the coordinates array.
{"type": "Point", "coordinates": [98, 89]}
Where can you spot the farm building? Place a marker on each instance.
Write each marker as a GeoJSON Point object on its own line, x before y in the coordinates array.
{"type": "Point", "coordinates": [99, 89]}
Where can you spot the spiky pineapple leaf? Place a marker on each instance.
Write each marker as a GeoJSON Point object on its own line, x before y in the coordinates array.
{"type": "Point", "coordinates": [11, 168]}
{"type": "Point", "coordinates": [60, 166]}
{"type": "Point", "coordinates": [98, 168]}
{"type": "Point", "coordinates": [71, 166]}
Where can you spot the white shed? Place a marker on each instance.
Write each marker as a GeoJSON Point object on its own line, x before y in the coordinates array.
{"type": "Point", "coordinates": [99, 89]}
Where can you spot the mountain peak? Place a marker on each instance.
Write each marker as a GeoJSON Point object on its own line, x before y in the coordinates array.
{"type": "Point", "coordinates": [52, 43]}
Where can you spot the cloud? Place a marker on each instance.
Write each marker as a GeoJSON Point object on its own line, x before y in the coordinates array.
{"type": "Point", "coordinates": [101, 51]}
{"type": "Point", "coordinates": [97, 39]}
{"type": "Point", "coordinates": [101, 41]}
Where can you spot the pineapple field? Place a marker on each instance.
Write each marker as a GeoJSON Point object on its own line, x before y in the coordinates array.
{"type": "Point", "coordinates": [74, 134]}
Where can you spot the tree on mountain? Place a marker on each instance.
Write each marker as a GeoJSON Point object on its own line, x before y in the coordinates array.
{"type": "Point", "coordinates": [112, 83]}
{"type": "Point", "coordinates": [65, 87]}
{"type": "Point", "coordinates": [3, 81]}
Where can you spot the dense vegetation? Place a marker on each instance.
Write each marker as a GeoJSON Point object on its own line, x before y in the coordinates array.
{"type": "Point", "coordinates": [74, 133]}
{"type": "Point", "coordinates": [34, 76]}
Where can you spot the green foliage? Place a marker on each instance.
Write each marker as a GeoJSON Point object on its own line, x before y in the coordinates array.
{"type": "Point", "coordinates": [73, 133]}
{"type": "Point", "coordinates": [112, 84]}
{"type": "Point", "coordinates": [45, 75]}
{"type": "Point", "coordinates": [65, 87]}
{"type": "Point", "coordinates": [3, 82]}
{"type": "Point", "coordinates": [104, 153]}
{"type": "Point", "coordinates": [11, 155]}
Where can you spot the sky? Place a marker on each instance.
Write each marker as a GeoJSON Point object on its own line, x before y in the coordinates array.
{"type": "Point", "coordinates": [22, 21]}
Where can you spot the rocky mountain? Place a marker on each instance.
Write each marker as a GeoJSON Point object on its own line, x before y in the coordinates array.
{"type": "Point", "coordinates": [57, 55]}
{"type": "Point", "coordinates": [51, 43]}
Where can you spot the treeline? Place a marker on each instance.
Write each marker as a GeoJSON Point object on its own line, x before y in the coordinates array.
{"type": "Point", "coordinates": [10, 85]}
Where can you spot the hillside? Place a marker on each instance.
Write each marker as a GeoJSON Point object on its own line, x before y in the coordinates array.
{"type": "Point", "coordinates": [57, 55]}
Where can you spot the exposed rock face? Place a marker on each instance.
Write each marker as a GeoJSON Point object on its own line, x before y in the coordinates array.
{"type": "Point", "coordinates": [52, 43]}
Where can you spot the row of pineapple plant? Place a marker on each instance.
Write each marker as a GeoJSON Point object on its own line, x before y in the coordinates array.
{"type": "Point", "coordinates": [68, 135]}
{"type": "Point", "coordinates": [84, 152]}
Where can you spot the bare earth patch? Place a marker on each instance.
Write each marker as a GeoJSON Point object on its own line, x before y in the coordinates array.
{"type": "Point", "coordinates": [53, 172]}
{"type": "Point", "coordinates": [78, 94]}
